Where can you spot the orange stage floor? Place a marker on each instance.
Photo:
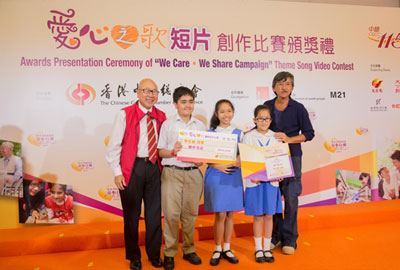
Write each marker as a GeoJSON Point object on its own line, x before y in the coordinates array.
{"type": "Point", "coordinates": [357, 236]}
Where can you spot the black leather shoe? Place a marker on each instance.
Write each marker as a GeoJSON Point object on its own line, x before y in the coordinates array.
{"type": "Point", "coordinates": [215, 261]}
{"type": "Point", "coordinates": [192, 258]}
{"type": "Point", "coordinates": [136, 264]}
{"type": "Point", "coordinates": [260, 259]}
{"type": "Point", "coordinates": [269, 258]}
{"type": "Point", "coordinates": [156, 262]}
{"type": "Point", "coordinates": [230, 259]}
{"type": "Point", "coordinates": [169, 263]}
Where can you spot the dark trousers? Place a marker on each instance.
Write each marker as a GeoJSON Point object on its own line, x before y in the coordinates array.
{"type": "Point", "coordinates": [285, 226]}
{"type": "Point", "coordinates": [144, 184]}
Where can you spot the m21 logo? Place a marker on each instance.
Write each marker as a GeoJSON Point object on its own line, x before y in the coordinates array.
{"type": "Point", "coordinates": [338, 94]}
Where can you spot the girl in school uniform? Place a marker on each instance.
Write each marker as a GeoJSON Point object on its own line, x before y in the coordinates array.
{"type": "Point", "coordinates": [223, 186]}
{"type": "Point", "coordinates": [262, 199]}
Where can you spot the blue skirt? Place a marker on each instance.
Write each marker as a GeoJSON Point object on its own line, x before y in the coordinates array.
{"type": "Point", "coordinates": [223, 192]}
{"type": "Point", "coordinates": [262, 199]}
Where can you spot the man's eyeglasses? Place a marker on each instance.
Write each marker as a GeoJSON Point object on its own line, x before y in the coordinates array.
{"type": "Point", "coordinates": [263, 119]}
{"type": "Point", "coordinates": [149, 91]}
{"type": "Point", "coordinates": [287, 84]}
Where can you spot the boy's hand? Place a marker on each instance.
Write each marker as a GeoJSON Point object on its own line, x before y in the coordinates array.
{"type": "Point", "coordinates": [198, 164]}
{"type": "Point", "coordinates": [177, 148]}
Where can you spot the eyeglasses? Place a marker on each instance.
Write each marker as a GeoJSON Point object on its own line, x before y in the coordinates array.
{"type": "Point", "coordinates": [149, 91]}
{"type": "Point", "coordinates": [263, 119]}
{"type": "Point", "coordinates": [38, 186]}
{"type": "Point", "coordinates": [287, 84]}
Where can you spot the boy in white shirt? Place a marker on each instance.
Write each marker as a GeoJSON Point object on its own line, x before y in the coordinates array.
{"type": "Point", "coordinates": [181, 182]}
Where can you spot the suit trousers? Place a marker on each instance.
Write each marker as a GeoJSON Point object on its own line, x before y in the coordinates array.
{"type": "Point", "coordinates": [145, 185]}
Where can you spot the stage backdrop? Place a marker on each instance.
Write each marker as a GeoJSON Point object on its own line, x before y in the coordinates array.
{"type": "Point", "coordinates": [67, 67]}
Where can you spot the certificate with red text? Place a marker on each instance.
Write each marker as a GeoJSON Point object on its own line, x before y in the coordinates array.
{"type": "Point", "coordinates": [208, 147]}
{"type": "Point", "coordinates": [266, 163]}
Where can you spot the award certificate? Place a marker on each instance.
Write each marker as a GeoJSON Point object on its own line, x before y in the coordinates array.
{"type": "Point", "coordinates": [208, 147]}
{"type": "Point", "coordinates": [266, 163]}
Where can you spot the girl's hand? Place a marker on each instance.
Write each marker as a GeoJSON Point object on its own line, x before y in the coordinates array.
{"type": "Point", "coordinates": [255, 181]}
{"type": "Point", "coordinates": [35, 214]}
{"type": "Point", "coordinates": [225, 168]}
{"type": "Point", "coordinates": [42, 217]}
{"type": "Point", "coordinates": [237, 163]}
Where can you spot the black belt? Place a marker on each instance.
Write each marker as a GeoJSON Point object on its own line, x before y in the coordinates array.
{"type": "Point", "coordinates": [181, 168]}
{"type": "Point", "coordinates": [145, 159]}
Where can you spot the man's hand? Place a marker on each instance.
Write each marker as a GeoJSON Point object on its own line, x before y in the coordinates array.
{"type": "Point", "coordinates": [119, 181]}
{"type": "Point", "coordinates": [280, 136]}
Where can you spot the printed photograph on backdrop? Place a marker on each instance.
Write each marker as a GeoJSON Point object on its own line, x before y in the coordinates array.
{"type": "Point", "coordinates": [389, 177]}
{"type": "Point", "coordinates": [352, 187]}
{"type": "Point", "coordinates": [31, 205]}
{"type": "Point", "coordinates": [59, 204]}
{"type": "Point", "coordinates": [10, 169]}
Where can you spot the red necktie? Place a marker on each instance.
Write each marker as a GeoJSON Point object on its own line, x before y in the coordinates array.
{"type": "Point", "coordinates": [151, 136]}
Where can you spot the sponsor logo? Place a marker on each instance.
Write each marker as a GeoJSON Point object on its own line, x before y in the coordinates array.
{"type": "Point", "coordinates": [385, 39]}
{"type": "Point", "coordinates": [81, 94]}
{"type": "Point", "coordinates": [109, 193]}
{"type": "Point", "coordinates": [376, 83]}
{"type": "Point", "coordinates": [312, 115]}
{"type": "Point", "coordinates": [397, 87]}
{"type": "Point", "coordinates": [262, 93]}
{"type": "Point", "coordinates": [337, 94]}
{"type": "Point", "coordinates": [82, 166]}
{"type": "Point", "coordinates": [335, 145]}
{"type": "Point", "coordinates": [361, 131]}
{"type": "Point", "coordinates": [41, 139]}
{"type": "Point", "coordinates": [239, 94]}
{"type": "Point", "coordinates": [379, 106]}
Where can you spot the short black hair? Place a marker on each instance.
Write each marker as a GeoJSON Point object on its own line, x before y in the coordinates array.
{"type": "Point", "coordinates": [282, 76]}
{"type": "Point", "coordinates": [182, 91]}
{"type": "Point", "coordinates": [260, 108]}
{"type": "Point", "coordinates": [62, 186]}
{"type": "Point", "coordinates": [396, 155]}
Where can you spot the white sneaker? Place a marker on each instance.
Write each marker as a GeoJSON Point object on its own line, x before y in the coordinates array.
{"type": "Point", "coordinates": [272, 246]}
{"type": "Point", "coordinates": [288, 250]}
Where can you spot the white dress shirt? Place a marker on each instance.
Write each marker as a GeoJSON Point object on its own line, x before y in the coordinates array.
{"type": "Point", "coordinates": [169, 136]}
{"type": "Point", "coordinates": [114, 147]}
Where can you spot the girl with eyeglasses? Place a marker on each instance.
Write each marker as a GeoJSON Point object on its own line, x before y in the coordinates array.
{"type": "Point", "coordinates": [262, 199]}
{"type": "Point", "coordinates": [32, 204]}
